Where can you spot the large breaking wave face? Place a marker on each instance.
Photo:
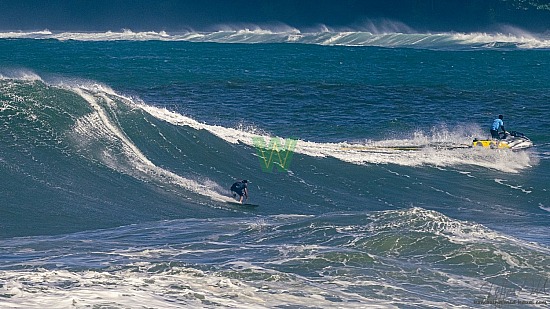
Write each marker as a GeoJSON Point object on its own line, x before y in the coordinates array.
{"type": "Point", "coordinates": [80, 146]}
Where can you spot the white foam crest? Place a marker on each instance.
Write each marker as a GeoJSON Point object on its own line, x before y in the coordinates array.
{"type": "Point", "coordinates": [126, 34]}
{"type": "Point", "coordinates": [520, 40]}
{"type": "Point", "coordinates": [247, 33]}
{"type": "Point", "coordinates": [276, 28]}
{"type": "Point", "coordinates": [336, 38]}
{"type": "Point", "coordinates": [421, 220]}
{"type": "Point", "coordinates": [384, 33]}
{"type": "Point", "coordinates": [23, 34]}
{"type": "Point", "coordinates": [428, 221]}
{"type": "Point", "coordinates": [175, 288]}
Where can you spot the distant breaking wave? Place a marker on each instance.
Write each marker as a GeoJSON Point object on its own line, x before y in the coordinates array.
{"type": "Point", "coordinates": [510, 38]}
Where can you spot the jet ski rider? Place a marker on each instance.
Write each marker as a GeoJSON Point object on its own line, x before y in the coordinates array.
{"type": "Point", "coordinates": [497, 125]}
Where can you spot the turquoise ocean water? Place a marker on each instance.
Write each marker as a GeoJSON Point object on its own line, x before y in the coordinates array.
{"type": "Point", "coordinates": [117, 150]}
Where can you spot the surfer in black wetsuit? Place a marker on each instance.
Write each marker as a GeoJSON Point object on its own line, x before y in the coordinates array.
{"type": "Point", "coordinates": [240, 188]}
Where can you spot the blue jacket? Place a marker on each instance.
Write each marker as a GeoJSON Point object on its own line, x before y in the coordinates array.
{"type": "Point", "coordinates": [497, 124]}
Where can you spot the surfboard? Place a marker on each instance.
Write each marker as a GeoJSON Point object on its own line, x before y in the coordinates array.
{"type": "Point", "coordinates": [242, 205]}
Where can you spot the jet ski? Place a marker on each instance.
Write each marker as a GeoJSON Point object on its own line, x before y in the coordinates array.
{"type": "Point", "coordinates": [512, 140]}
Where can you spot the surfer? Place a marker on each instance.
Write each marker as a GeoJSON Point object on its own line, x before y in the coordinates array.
{"type": "Point", "coordinates": [240, 188]}
{"type": "Point", "coordinates": [497, 125]}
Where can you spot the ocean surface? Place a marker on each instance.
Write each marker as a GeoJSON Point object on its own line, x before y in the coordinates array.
{"type": "Point", "coordinates": [117, 151]}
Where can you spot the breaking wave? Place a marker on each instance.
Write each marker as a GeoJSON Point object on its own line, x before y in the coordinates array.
{"type": "Point", "coordinates": [389, 35]}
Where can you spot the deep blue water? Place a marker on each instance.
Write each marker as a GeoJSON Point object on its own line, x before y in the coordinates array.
{"type": "Point", "coordinates": [116, 157]}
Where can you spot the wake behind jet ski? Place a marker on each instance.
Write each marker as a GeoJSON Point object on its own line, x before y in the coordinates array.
{"type": "Point", "coordinates": [507, 140]}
